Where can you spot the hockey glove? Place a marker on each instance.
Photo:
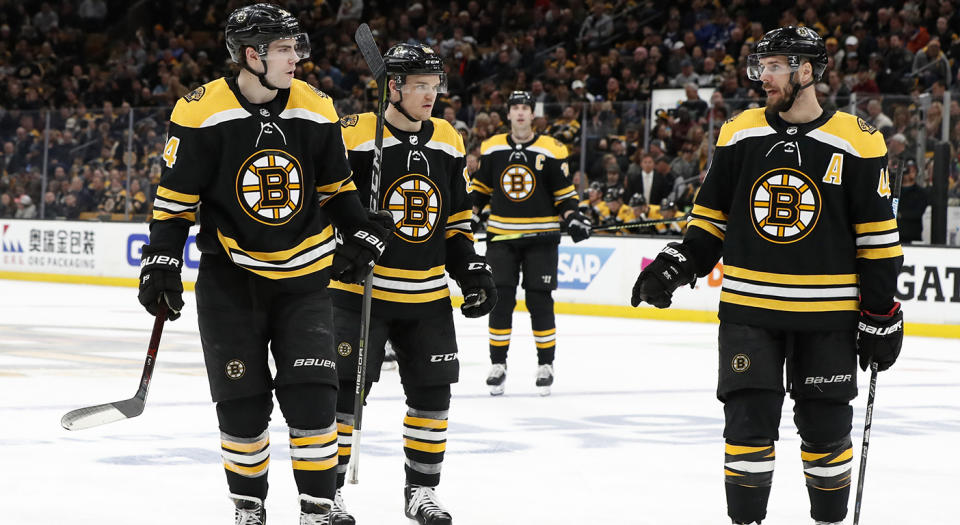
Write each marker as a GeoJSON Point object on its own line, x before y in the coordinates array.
{"type": "Point", "coordinates": [475, 278]}
{"type": "Point", "coordinates": [672, 269]}
{"type": "Point", "coordinates": [362, 249]}
{"type": "Point", "coordinates": [160, 279]}
{"type": "Point", "coordinates": [578, 226]}
{"type": "Point", "coordinates": [476, 223]}
{"type": "Point", "coordinates": [879, 338]}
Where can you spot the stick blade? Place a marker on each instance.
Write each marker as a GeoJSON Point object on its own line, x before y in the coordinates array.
{"type": "Point", "coordinates": [95, 416]}
{"type": "Point", "coordinates": [370, 51]}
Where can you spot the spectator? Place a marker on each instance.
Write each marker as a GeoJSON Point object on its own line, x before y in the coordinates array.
{"type": "Point", "coordinates": [913, 202]}
{"type": "Point", "coordinates": [26, 209]}
{"type": "Point", "coordinates": [51, 209]}
{"type": "Point", "coordinates": [597, 27]}
{"type": "Point", "coordinates": [876, 116]}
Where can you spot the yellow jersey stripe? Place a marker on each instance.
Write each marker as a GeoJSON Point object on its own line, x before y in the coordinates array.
{"type": "Point", "coordinates": [563, 191]}
{"type": "Point", "coordinates": [164, 216]}
{"type": "Point", "coordinates": [548, 344]}
{"type": "Point", "coordinates": [333, 187]}
{"type": "Point", "coordinates": [283, 255]}
{"type": "Point", "coordinates": [709, 212]}
{"type": "Point", "coordinates": [480, 187]}
{"type": "Point", "coordinates": [460, 216]}
{"type": "Point", "coordinates": [879, 226]}
{"type": "Point", "coordinates": [501, 331]}
{"type": "Point", "coordinates": [737, 450]}
{"type": "Point", "coordinates": [344, 428]}
{"type": "Point", "coordinates": [499, 343]}
{"type": "Point", "coordinates": [788, 306]}
{"type": "Point", "coordinates": [542, 333]}
{"type": "Point", "coordinates": [880, 253]}
{"type": "Point", "coordinates": [273, 274]}
{"type": "Point", "coordinates": [245, 447]}
{"type": "Point", "coordinates": [708, 227]}
{"type": "Point", "coordinates": [322, 439]}
{"type": "Point", "coordinates": [325, 464]}
{"type": "Point", "coordinates": [393, 296]}
{"type": "Point", "coordinates": [845, 127]}
{"type": "Point", "coordinates": [247, 471]}
{"type": "Point", "coordinates": [812, 456]}
{"type": "Point", "coordinates": [168, 194]}
{"type": "Point", "coordinates": [451, 233]}
{"type": "Point", "coordinates": [786, 278]}
{"type": "Point", "coordinates": [846, 455]}
{"type": "Point", "coordinates": [384, 271]}
{"type": "Point", "coordinates": [523, 220]}
{"type": "Point", "coordinates": [496, 140]}
{"type": "Point", "coordinates": [424, 447]}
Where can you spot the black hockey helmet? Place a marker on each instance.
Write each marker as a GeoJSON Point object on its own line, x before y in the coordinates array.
{"type": "Point", "coordinates": [409, 59]}
{"type": "Point", "coordinates": [259, 24]}
{"type": "Point", "coordinates": [637, 200]}
{"type": "Point", "coordinates": [795, 43]}
{"type": "Point", "coordinates": [520, 97]}
{"type": "Point", "coordinates": [614, 193]}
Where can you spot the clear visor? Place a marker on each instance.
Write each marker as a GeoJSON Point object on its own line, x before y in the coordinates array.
{"type": "Point", "coordinates": [755, 68]}
{"type": "Point", "coordinates": [422, 87]}
{"type": "Point", "coordinates": [298, 44]}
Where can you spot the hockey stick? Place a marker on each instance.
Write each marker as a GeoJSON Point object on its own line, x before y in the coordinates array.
{"type": "Point", "coordinates": [87, 417]}
{"type": "Point", "coordinates": [874, 369]}
{"type": "Point", "coordinates": [625, 226]}
{"type": "Point", "coordinates": [371, 55]}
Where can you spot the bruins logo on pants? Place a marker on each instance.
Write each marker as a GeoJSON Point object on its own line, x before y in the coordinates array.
{"type": "Point", "coordinates": [269, 186]}
{"type": "Point", "coordinates": [414, 202]}
{"type": "Point", "coordinates": [785, 205]}
{"type": "Point", "coordinates": [517, 182]}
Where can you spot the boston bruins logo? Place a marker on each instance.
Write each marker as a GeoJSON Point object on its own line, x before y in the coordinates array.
{"type": "Point", "coordinates": [195, 95]}
{"type": "Point", "coordinates": [785, 205]}
{"type": "Point", "coordinates": [517, 182]}
{"type": "Point", "coordinates": [415, 203]}
{"type": "Point", "coordinates": [740, 363]}
{"type": "Point", "coordinates": [269, 186]}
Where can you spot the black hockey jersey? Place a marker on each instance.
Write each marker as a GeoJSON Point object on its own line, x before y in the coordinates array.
{"type": "Point", "coordinates": [423, 186]}
{"type": "Point", "coordinates": [257, 174]}
{"type": "Point", "coordinates": [801, 215]}
{"type": "Point", "coordinates": [527, 185]}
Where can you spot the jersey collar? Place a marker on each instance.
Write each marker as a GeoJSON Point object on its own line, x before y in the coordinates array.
{"type": "Point", "coordinates": [271, 109]}
{"type": "Point", "coordinates": [783, 127]}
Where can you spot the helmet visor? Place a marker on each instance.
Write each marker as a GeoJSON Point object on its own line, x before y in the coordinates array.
{"type": "Point", "coordinates": [755, 68]}
{"type": "Point", "coordinates": [421, 86]}
{"type": "Point", "coordinates": [300, 46]}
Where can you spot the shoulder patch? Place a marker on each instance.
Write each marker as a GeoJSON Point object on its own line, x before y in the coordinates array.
{"type": "Point", "coordinates": [195, 95]}
{"type": "Point", "coordinates": [866, 126]}
{"type": "Point", "coordinates": [319, 93]}
{"type": "Point", "coordinates": [558, 144]}
{"type": "Point", "coordinates": [348, 121]}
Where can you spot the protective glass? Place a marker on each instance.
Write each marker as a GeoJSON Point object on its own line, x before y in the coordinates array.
{"type": "Point", "coordinates": [422, 88]}
{"type": "Point", "coordinates": [301, 45]}
{"type": "Point", "coordinates": [755, 68]}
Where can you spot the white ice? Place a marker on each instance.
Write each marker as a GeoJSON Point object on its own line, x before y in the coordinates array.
{"type": "Point", "coordinates": [631, 434]}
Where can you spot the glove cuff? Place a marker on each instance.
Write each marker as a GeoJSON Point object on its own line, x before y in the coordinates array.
{"type": "Point", "coordinates": [883, 317]}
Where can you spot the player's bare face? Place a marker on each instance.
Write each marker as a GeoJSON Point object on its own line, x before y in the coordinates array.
{"type": "Point", "coordinates": [520, 116]}
{"type": "Point", "coordinates": [281, 62]}
{"type": "Point", "coordinates": [776, 80]}
{"type": "Point", "coordinates": [420, 95]}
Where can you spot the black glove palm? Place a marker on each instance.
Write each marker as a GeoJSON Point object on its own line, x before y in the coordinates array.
{"type": "Point", "coordinates": [475, 278]}
{"type": "Point", "coordinates": [578, 226]}
{"type": "Point", "coordinates": [880, 337]}
{"type": "Point", "coordinates": [362, 249]}
{"type": "Point", "coordinates": [160, 278]}
{"type": "Point", "coordinates": [672, 269]}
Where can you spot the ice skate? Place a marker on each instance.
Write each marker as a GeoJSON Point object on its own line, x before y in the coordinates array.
{"type": "Point", "coordinates": [424, 507]}
{"type": "Point", "coordinates": [544, 379]}
{"type": "Point", "coordinates": [315, 511]}
{"type": "Point", "coordinates": [389, 358]}
{"type": "Point", "coordinates": [249, 510]}
{"type": "Point", "coordinates": [338, 513]}
{"type": "Point", "coordinates": [497, 379]}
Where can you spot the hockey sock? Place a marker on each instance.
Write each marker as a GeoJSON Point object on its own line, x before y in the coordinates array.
{"type": "Point", "coordinates": [314, 457]}
{"type": "Point", "coordinates": [828, 470]}
{"type": "Point", "coordinates": [748, 472]}
{"type": "Point", "coordinates": [424, 442]}
{"type": "Point", "coordinates": [246, 461]}
{"type": "Point", "coordinates": [501, 321]}
{"type": "Point", "coordinates": [540, 305]}
{"type": "Point", "coordinates": [345, 444]}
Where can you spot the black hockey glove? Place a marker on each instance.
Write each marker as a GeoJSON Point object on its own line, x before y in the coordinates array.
{"type": "Point", "coordinates": [879, 337]}
{"type": "Point", "coordinates": [362, 249]}
{"type": "Point", "coordinates": [672, 269]}
{"type": "Point", "coordinates": [160, 278]}
{"type": "Point", "coordinates": [578, 226]}
{"type": "Point", "coordinates": [475, 278]}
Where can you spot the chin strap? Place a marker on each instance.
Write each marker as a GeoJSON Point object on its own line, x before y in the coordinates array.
{"type": "Point", "coordinates": [260, 76]}
{"type": "Point", "coordinates": [797, 88]}
{"type": "Point", "coordinates": [397, 105]}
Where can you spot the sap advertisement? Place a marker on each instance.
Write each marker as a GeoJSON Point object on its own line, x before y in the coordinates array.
{"type": "Point", "coordinates": [598, 271]}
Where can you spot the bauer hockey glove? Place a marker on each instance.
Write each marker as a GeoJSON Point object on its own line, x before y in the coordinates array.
{"type": "Point", "coordinates": [362, 249]}
{"type": "Point", "coordinates": [475, 278]}
{"type": "Point", "coordinates": [672, 269]}
{"type": "Point", "coordinates": [879, 337]}
{"type": "Point", "coordinates": [578, 226]}
{"type": "Point", "coordinates": [160, 278]}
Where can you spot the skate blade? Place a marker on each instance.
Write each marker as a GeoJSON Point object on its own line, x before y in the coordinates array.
{"type": "Point", "coordinates": [544, 391]}
{"type": "Point", "coordinates": [388, 365]}
{"type": "Point", "coordinates": [497, 390]}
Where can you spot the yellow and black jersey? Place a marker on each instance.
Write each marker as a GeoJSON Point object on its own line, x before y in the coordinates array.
{"type": "Point", "coordinates": [423, 185]}
{"type": "Point", "coordinates": [256, 173]}
{"type": "Point", "coordinates": [527, 185]}
{"type": "Point", "coordinates": [801, 215]}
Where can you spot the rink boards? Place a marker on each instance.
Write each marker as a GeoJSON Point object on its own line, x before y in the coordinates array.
{"type": "Point", "coordinates": [594, 276]}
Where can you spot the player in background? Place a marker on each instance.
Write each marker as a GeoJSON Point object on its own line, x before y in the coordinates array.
{"type": "Point", "coordinates": [797, 202]}
{"type": "Point", "coordinates": [423, 187]}
{"type": "Point", "coordinates": [525, 178]}
{"type": "Point", "coordinates": [258, 161]}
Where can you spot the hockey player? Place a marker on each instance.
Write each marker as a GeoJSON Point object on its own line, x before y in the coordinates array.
{"type": "Point", "coordinates": [423, 188]}
{"type": "Point", "coordinates": [797, 201]}
{"type": "Point", "coordinates": [525, 178]}
{"type": "Point", "coordinates": [258, 161]}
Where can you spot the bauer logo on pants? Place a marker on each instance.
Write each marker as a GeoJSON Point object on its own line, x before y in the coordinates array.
{"type": "Point", "coordinates": [235, 369]}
